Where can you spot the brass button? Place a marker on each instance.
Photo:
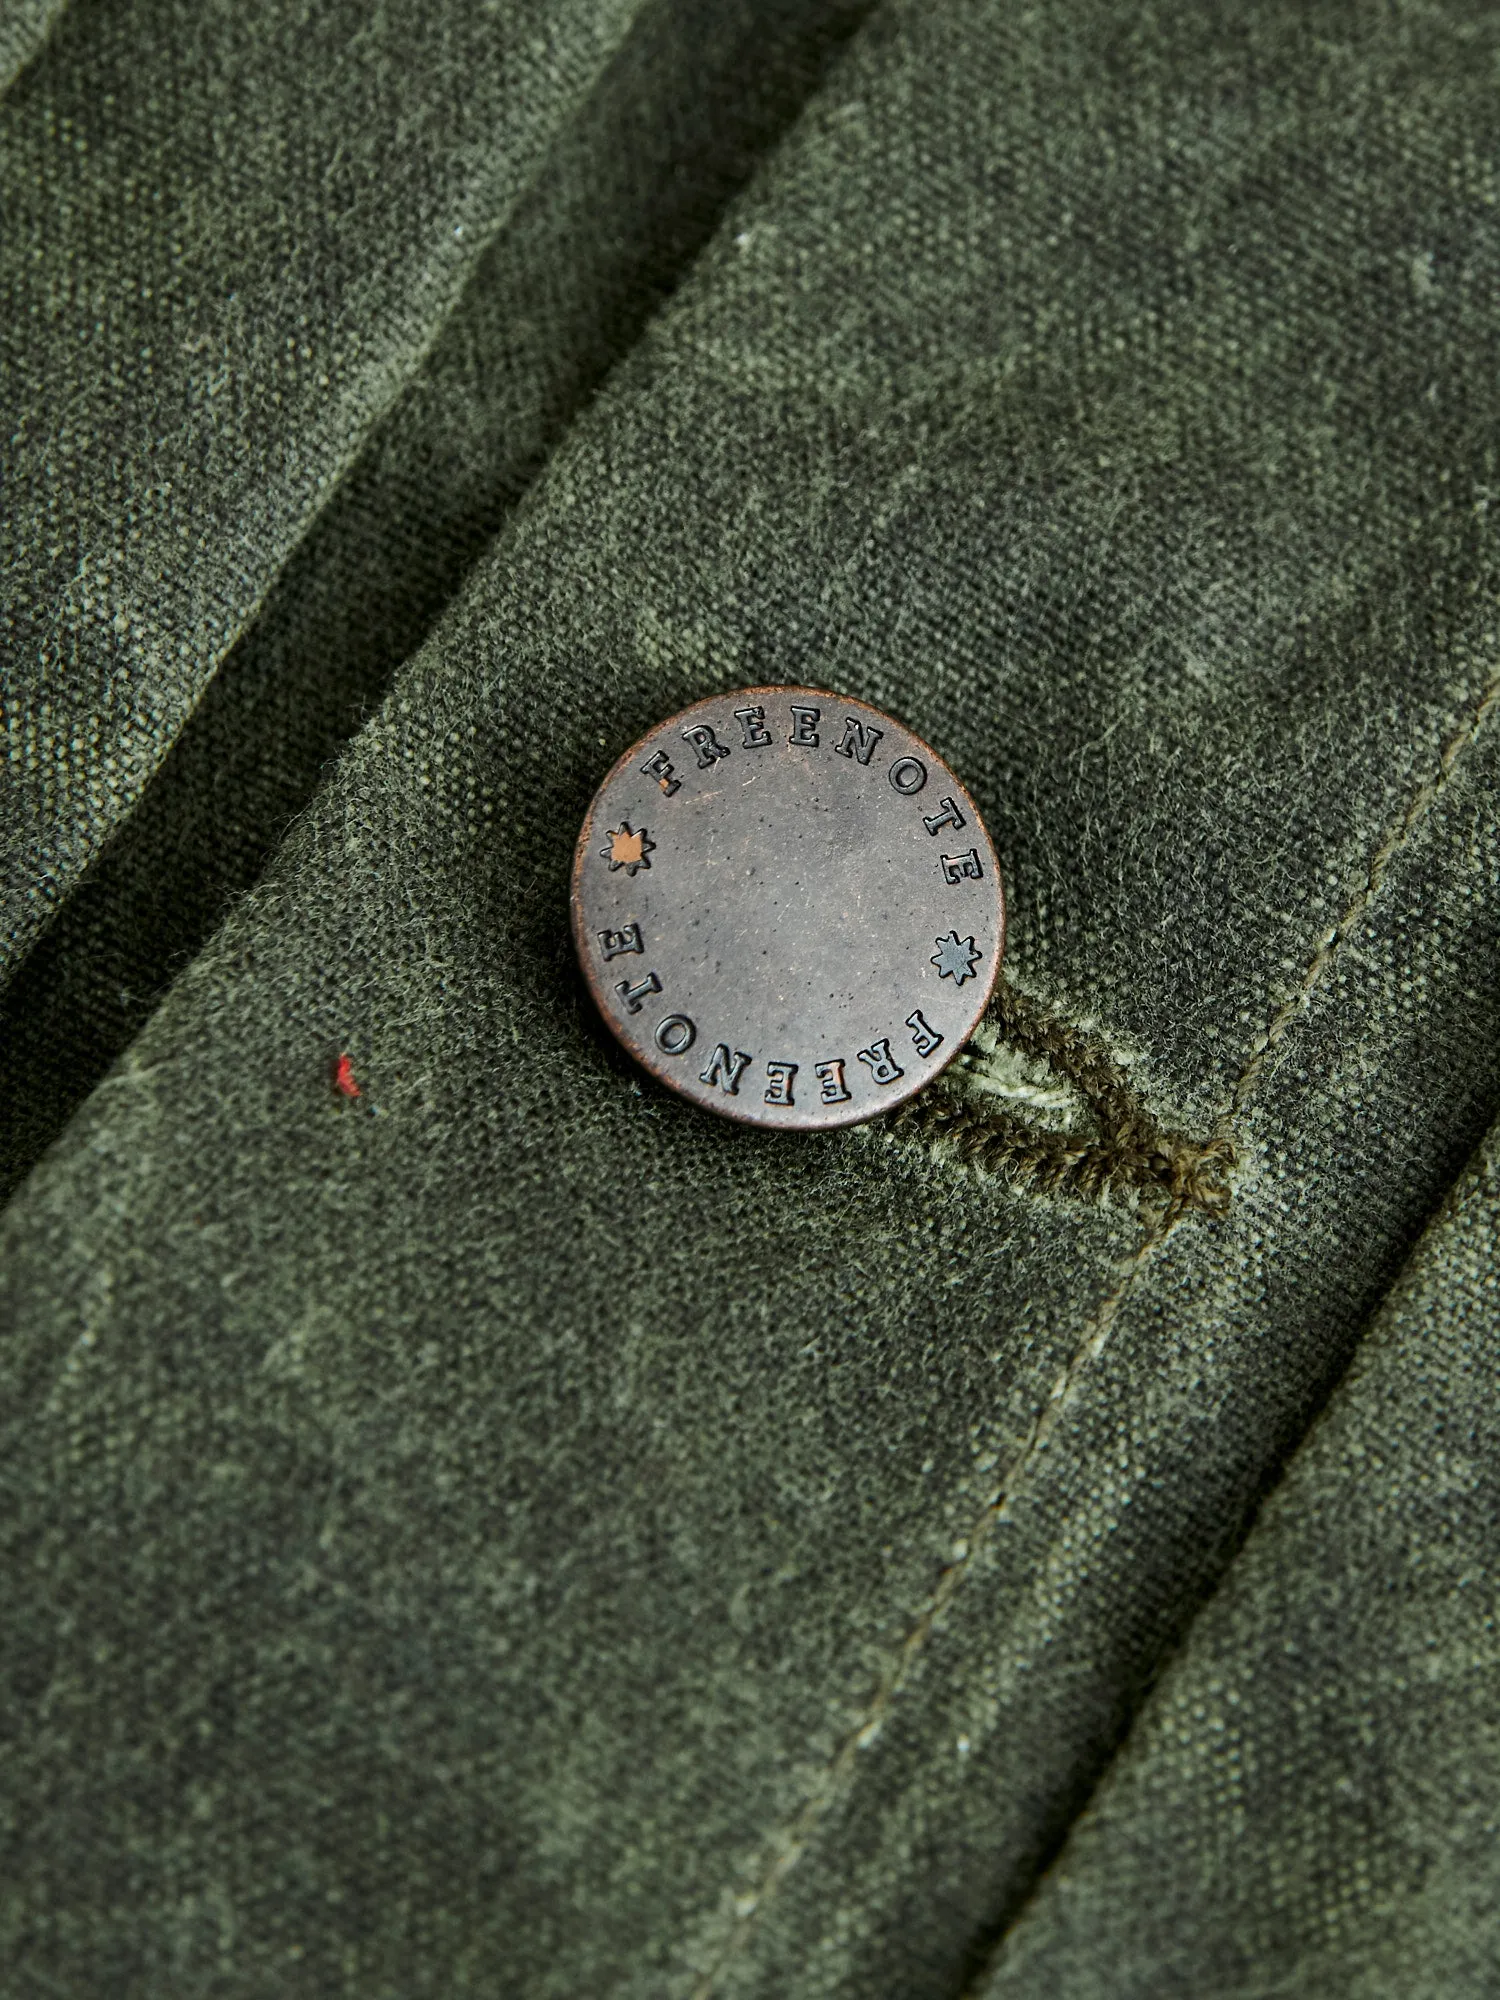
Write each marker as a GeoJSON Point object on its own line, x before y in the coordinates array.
{"type": "Point", "coordinates": [787, 908]}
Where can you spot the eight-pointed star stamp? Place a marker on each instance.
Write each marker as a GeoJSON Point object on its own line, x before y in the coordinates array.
{"type": "Point", "coordinates": [782, 926]}
{"type": "Point", "coordinates": [627, 850]}
{"type": "Point", "coordinates": [955, 958]}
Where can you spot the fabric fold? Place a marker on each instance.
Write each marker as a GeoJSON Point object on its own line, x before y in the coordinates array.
{"type": "Point", "coordinates": [1307, 1804]}
{"type": "Point", "coordinates": [510, 1531]}
{"type": "Point", "coordinates": [621, 189]}
{"type": "Point", "coordinates": [230, 239]}
{"type": "Point", "coordinates": [22, 32]}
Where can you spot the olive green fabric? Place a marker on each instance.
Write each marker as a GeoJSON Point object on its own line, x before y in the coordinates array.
{"type": "Point", "coordinates": [1308, 1804]}
{"type": "Point", "coordinates": [230, 235]}
{"type": "Point", "coordinates": [508, 1532]}
{"type": "Point", "coordinates": [23, 29]}
{"type": "Point", "coordinates": [627, 190]}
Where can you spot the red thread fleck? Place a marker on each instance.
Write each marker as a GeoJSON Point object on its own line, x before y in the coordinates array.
{"type": "Point", "coordinates": [343, 1077]}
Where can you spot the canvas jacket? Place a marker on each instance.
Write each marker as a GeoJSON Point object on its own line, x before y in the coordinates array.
{"type": "Point", "coordinates": [475, 1524]}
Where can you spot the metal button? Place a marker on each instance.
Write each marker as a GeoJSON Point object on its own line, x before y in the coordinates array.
{"type": "Point", "coordinates": [787, 908]}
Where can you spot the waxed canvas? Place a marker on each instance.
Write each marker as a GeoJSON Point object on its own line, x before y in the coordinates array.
{"type": "Point", "coordinates": [1307, 1801]}
{"type": "Point", "coordinates": [503, 1531]}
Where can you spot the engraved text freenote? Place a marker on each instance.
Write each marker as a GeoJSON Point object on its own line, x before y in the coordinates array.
{"type": "Point", "coordinates": [779, 1082]}
{"type": "Point", "coordinates": [725, 1069]}
{"type": "Point", "coordinates": [612, 943]}
{"type": "Point", "coordinates": [636, 996]}
{"type": "Point", "coordinates": [830, 1077]}
{"type": "Point", "coordinates": [881, 1064]}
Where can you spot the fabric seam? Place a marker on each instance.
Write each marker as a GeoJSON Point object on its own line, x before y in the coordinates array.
{"type": "Point", "coordinates": [1130, 1153]}
{"type": "Point", "coordinates": [792, 1841]}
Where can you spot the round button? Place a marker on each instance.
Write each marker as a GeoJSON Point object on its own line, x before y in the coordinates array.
{"type": "Point", "coordinates": [787, 907]}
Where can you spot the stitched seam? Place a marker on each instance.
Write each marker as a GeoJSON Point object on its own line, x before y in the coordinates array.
{"type": "Point", "coordinates": [1394, 838]}
{"type": "Point", "coordinates": [797, 1836]}
{"type": "Point", "coordinates": [1328, 945]}
{"type": "Point", "coordinates": [1130, 1153]}
{"type": "Point", "coordinates": [789, 1844]}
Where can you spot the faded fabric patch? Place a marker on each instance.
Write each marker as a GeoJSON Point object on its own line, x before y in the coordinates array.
{"type": "Point", "coordinates": [1307, 1805]}
{"type": "Point", "coordinates": [624, 192]}
{"type": "Point", "coordinates": [230, 235]}
{"type": "Point", "coordinates": [505, 1531]}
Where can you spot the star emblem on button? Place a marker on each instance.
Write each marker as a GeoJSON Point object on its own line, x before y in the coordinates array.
{"type": "Point", "coordinates": [766, 951]}
{"type": "Point", "coordinates": [955, 958]}
{"type": "Point", "coordinates": [627, 849]}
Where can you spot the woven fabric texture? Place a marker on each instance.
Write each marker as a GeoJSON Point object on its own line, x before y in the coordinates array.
{"type": "Point", "coordinates": [230, 234]}
{"type": "Point", "coordinates": [507, 1532]}
{"type": "Point", "coordinates": [23, 29]}
{"type": "Point", "coordinates": [626, 190]}
{"type": "Point", "coordinates": [1307, 1807]}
